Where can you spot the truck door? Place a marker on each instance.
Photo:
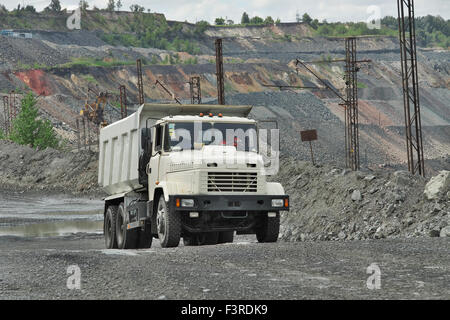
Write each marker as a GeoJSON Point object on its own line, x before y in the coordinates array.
{"type": "Point", "coordinates": [153, 170]}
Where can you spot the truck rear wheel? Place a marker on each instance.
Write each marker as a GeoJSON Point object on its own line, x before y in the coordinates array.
{"type": "Point", "coordinates": [126, 238]}
{"type": "Point", "coordinates": [168, 224]}
{"type": "Point", "coordinates": [109, 227]}
{"type": "Point", "coordinates": [268, 230]}
{"type": "Point", "coordinates": [226, 237]}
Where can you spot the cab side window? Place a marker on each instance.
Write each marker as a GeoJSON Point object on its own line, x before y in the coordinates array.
{"type": "Point", "coordinates": [158, 137]}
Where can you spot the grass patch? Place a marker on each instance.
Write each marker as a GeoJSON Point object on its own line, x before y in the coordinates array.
{"type": "Point", "coordinates": [91, 62]}
{"type": "Point", "coordinates": [89, 78]}
{"type": "Point", "coordinates": [361, 85]}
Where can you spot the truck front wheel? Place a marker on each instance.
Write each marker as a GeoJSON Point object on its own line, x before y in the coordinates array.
{"type": "Point", "coordinates": [268, 229]}
{"type": "Point", "coordinates": [168, 223]}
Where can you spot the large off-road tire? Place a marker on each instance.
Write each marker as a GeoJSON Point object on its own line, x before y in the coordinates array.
{"type": "Point", "coordinates": [168, 224]}
{"type": "Point", "coordinates": [145, 238]}
{"type": "Point", "coordinates": [226, 237]}
{"type": "Point", "coordinates": [126, 239]}
{"type": "Point", "coordinates": [268, 229]}
{"type": "Point", "coordinates": [109, 227]}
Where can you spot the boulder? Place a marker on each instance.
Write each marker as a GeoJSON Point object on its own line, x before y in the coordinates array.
{"type": "Point", "coordinates": [445, 232]}
{"type": "Point", "coordinates": [401, 178]}
{"type": "Point", "coordinates": [356, 195]}
{"type": "Point", "coordinates": [438, 185]}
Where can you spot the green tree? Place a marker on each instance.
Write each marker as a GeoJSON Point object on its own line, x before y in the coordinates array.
{"type": "Point", "coordinates": [201, 27]}
{"type": "Point", "coordinates": [29, 8]}
{"type": "Point", "coordinates": [256, 20]}
{"type": "Point", "coordinates": [137, 8]}
{"type": "Point", "coordinates": [306, 18]}
{"type": "Point", "coordinates": [245, 18]}
{"type": "Point", "coordinates": [83, 5]}
{"type": "Point", "coordinates": [54, 6]}
{"type": "Point", "coordinates": [219, 21]}
{"type": "Point", "coordinates": [28, 129]}
{"type": "Point", "coordinates": [111, 5]}
{"type": "Point", "coordinates": [269, 20]}
{"type": "Point", "coordinates": [118, 5]}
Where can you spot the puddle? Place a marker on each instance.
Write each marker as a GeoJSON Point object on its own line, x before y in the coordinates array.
{"type": "Point", "coordinates": [52, 229]}
{"type": "Point", "coordinates": [35, 216]}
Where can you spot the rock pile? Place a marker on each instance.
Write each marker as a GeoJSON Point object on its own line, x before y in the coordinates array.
{"type": "Point", "coordinates": [330, 203]}
{"type": "Point", "coordinates": [25, 168]}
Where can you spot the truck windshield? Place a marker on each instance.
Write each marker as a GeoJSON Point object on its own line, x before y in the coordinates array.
{"type": "Point", "coordinates": [194, 135]}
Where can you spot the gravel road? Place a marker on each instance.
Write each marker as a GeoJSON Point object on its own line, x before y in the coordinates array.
{"type": "Point", "coordinates": [36, 268]}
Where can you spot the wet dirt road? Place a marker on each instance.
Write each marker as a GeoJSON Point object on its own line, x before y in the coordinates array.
{"type": "Point", "coordinates": [34, 263]}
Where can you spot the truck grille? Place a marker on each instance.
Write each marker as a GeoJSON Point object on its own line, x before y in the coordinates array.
{"type": "Point", "coordinates": [232, 182]}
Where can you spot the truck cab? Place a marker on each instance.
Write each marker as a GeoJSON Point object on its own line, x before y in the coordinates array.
{"type": "Point", "coordinates": [191, 172]}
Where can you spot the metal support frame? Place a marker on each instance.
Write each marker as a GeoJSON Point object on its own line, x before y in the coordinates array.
{"type": "Point", "coordinates": [6, 114]}
{"type": "Point", "coordinates": [351, 105]}
{"type": "Point", "coordinates": [168, 91]}
{"type": "Point", "coordinates": [12, 105]}
{"type": "Point", "coordinates": [123, 101]}
{"type": "Point", "coordinates": [77, 121]}
{"type": "Point", "coordinates": [350, 102]}
{"type": "Point", "coordinates": [196, 93]}
{"type": "Point", "coordinates": [140, 82]}
{"type": "Point", "coordinates": [410, 82]}
{"type": "Point", "coordinates": [220, 73]}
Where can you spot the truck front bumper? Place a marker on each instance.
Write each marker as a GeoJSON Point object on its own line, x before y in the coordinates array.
{"type": "Point", "coordinates": [249, 203]}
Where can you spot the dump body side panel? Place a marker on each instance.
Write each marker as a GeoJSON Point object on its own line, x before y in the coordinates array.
{"type": "Point", "coordinates": [119, 155]}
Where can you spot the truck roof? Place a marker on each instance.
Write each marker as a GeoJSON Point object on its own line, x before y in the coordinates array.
{"type": "Point", "coordinates": [158, 111]}
{"type": "Point", "coordinates": [214, 118]}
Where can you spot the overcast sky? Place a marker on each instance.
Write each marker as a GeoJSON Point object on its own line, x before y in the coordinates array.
{"type": "Point", "coordinates": [192, 11]}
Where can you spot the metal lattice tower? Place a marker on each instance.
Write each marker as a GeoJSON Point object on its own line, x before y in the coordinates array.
{"type": "Point", "coordinates": [219, 72]}
{"type": "Point", "coordinates": [410, 81]}
{"type": "Point", "coordinates": [123, 101]}
{"type": "Point", "coordinates": [6, 114]}
{"type": "Point", "coordinates": [351, 105]}
{"type": "Point", "coordinates": [140, 82]}
{"type": "Point", "coordinates": [196, 93]}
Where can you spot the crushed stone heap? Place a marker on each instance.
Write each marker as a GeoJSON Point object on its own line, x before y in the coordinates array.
{"type": "Point", "coordinates": [331, 203]}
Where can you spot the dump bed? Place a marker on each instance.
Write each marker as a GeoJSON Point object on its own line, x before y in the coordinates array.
{"type": "Point", "coordinates": [120, 142]}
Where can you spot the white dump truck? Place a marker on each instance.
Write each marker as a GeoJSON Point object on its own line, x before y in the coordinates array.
{"type": "Point", "coordinates": [186, 171]}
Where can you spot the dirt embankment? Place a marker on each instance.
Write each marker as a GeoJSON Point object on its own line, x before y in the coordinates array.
{"type": "Point", "coordinates": [331, 203]}
{"type": "Point", "coordinates": [26, 169]}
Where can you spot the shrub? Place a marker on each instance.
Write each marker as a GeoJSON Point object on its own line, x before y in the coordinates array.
{"type": "Point", "coordinates": [28, 129]}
